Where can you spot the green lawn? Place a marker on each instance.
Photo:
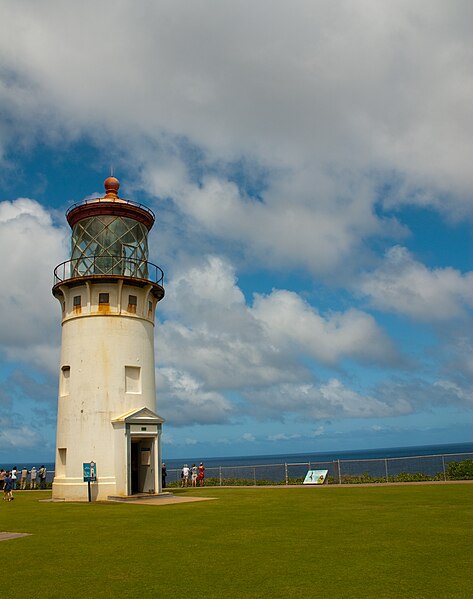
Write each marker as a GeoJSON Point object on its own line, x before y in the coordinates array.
{"type": "Point", "coordinates": [401, 541]}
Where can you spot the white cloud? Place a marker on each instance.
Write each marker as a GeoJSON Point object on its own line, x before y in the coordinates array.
{"type": "Point", "coordinates": [328, 400]}
{"type": "Point", "coordinates": [453, 389]}
{"type": "Point", "coordinates": [352, 404]}
{"type": "Point", "coordinates": [283, 437]}
{"type": "Point", "coordinates": [168, 438]}
{"type": "Point", "coordinates": [291, 321]}
{"type": "Point", "coordinates": [184, 401]}
{"type": "Point", "coordinates": [305, 219]}
{"type": "Point", "coordinates": [377, 428]}
{"type": "Point", "coordinates": [269, 139]}
{"type": "Point", "coordinates": [32, 246]}
{"type": "Point", "coordinates": [403, 285]}
{"type": "Point", "coordinates": [383, 87]}
{"type": "Point", "coordinates": [420, 394]}
{"type": "Point", "coordinates": [212, 342]}
{"type": "Point", "coordinates": [249, 437]}
{"type": "Point", "coordinates": [213, 334]}
{"type": "Point", "coordinates": [19, 437]}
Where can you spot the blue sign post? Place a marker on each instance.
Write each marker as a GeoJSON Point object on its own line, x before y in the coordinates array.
{"type": "Point", "coordinates": [90, 475]}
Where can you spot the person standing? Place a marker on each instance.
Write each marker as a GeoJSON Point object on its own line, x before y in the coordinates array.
{"type": "Point", "coordinates": [185, 475]}
{"type": "Point", "coordinates": [2, 478]}
{"type": "Point", "coordinates": [24, 476]}
{"type": "Point", "coordinates": [13, 473]}
{"type": "Point", "coordinates": [33, 478]}
{"type": "Point", "coordinates": [8, 487]}
{"type": "Point", "coordinates": [163, 475]}
{"type": "Point", "coordinates": [194, 475]}
{"type": "Point", "coordinates": [201, 474]}
{"type": "Point", "coordinates": [42, 477]}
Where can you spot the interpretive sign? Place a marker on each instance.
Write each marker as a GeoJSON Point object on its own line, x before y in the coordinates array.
{"type": "Point", "coordinates": [315, 477]}
{"type": "Point", "coordinates": [90, 472]}
{"type": "Point", "coordinates": [90, 476]}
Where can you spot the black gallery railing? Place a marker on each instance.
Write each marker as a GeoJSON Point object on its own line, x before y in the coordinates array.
{"type": "Point", "coordinates": [104, 265]}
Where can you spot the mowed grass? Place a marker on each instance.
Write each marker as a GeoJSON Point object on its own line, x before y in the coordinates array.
{"type": "Point", "coordinates": [400, 541]}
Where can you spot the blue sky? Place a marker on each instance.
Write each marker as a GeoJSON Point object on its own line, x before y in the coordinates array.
{"type": "Point", "coordinates": [310, 168]}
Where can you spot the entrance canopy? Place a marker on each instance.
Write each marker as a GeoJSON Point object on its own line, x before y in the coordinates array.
{"type": "Point", "coordinates": [141, 417]}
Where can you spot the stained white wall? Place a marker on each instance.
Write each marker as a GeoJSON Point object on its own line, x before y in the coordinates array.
{"type": "Point", "coordinates": [101, 345]}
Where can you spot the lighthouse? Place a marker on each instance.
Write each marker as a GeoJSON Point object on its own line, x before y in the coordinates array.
{"type": "Point", "coordinates": [108, 292]}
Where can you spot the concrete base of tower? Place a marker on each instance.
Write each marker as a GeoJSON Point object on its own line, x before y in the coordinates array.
{"type": "Point", "coordinates": [75, 489]}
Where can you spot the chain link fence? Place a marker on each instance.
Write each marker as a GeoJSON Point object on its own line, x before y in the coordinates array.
{"type": "Point", "coordinates": [381, 470]}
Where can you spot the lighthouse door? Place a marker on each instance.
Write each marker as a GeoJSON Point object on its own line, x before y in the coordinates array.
{"type": "Point", "coordinates": [142, 465]}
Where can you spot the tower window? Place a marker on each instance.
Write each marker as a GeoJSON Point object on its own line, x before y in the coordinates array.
{"type": "Point", "coordinates": [62, 452]}
{"type": "Point", "coordinates": [76, 301]}
{"type": "Point", "coordinates": [132, 379]}
{"type": "Point", "coordinates": [150, 306]}
{"type": "Point", "coordinates": [132, 302]}
{"type": "Point", "coordinates": [104, 298]}
{"type": "Point", "coordinates": [64, 382]}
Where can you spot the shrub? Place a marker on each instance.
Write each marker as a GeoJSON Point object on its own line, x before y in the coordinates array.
{"type": "Point", "coordinates": [294, 481]}
{"type": "Point", "coordinates": [410, 477]}
{"type": "Point", "coordinates": [460, 470]}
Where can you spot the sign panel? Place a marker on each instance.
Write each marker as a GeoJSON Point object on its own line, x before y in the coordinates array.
{"type": "Point", "coordinates": [315, 477]}
{"type": "Point", "coordinates": [89, 471]}
{"type": "Point", "coordinates": [146, 456]}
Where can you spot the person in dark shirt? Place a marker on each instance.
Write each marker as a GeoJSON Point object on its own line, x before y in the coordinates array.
{"type": "Point", "coordinates": [8, 487]}
{"type": "Point", "coordinates": [163, 475]}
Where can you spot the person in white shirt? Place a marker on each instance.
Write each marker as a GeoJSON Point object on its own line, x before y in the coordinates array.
{"type": "Point", "coordinates": [13, 476]}
{"type": "Point", "coordinates": [185, 475]}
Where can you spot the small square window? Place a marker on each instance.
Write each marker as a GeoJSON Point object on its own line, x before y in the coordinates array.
{"type": "Point", "coordinates": [104, 298]}
{"type": "Point", "coordinates": [64, 380]}
{"type": "Point", "coordinates": [62, 451]}
{"type": "Point", "coordinates": [132, 379]}
{"type": "Point", "coordinates": [150, 306]}
{"type": "Point", "coordinates": [132, 301]}
{"type": "Point", "coordinates": [77, 300]}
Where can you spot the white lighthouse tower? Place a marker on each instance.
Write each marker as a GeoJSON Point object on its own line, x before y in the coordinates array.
{"type": "Point", "coordinates": [108, 293]}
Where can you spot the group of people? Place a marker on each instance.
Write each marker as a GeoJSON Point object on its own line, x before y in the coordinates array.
{"type": "Point", "coordinates": [196, 474]}
{"type": "Point", "coordinates": [27, 479]}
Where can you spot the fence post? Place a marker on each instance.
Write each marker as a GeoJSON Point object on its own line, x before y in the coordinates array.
{"type": "Point", "coordinates": [443, 466]}
{"type": "Point", "coordinates": [254, 475]}
{"type": "Point", "coordinates": [285, 474]}
{"type": "Point", "coordinates": [220, 474]}
{"type": "Point", "coordinates": [386, 468]}
{"type": "Point", "coordinates": [339, 473]}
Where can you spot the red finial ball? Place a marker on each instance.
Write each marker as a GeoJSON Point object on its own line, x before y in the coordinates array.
{"type": "Point", "coordinates": [112, 185]}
